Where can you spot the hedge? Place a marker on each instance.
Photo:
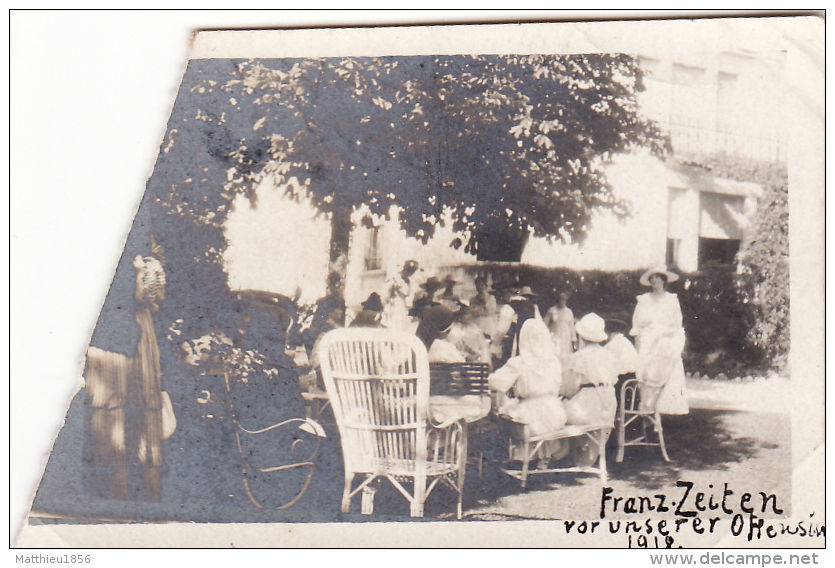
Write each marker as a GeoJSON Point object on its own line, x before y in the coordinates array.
{"type": "Point", "coordinates": [717, 317]}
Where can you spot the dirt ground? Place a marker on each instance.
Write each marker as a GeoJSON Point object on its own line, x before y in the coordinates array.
{"type": "Point", "coordinates": [737, 433]}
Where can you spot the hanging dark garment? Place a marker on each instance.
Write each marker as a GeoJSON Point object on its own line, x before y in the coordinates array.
{"type": "Point", "coordinates": [123, 442]}
{"type": "Point", "coordinates": [123, 404]}
{"type": "Point", "coordinates": [143, 416]}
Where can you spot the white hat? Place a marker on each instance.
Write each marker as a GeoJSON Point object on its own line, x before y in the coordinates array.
{"type": "Point", "coordinates": [591, 327]}
{"type": "Point", "coordinates": [660, 269]}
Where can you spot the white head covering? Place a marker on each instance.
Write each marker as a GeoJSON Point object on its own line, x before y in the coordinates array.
{"type": "Point", "coordinates": [542, 369]}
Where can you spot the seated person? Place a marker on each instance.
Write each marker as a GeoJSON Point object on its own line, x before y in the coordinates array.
{"type": "Point", "coordinates": [534, 376]}
{"type": "Point", "coordinates": [427, 299]}
{"type": "Point", "coordinates": [371, 313]}
{"type": "Point", "coordinates": [448, 298]}
{"type": "Point", "coordinates": [435, 322]}
{"type": "Point", "coordinates": [468, 337]}
{"type": "Point", "coordinates": [590, 377]}
{"type": "Point", "coordinates": [461, 341]}
{"type": "Point", "coordinates": [589, 385]}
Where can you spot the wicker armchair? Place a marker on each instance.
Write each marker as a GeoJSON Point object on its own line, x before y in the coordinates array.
{"type": "Point", "coordinates": [631, 409]}
{"type": "Point", "coordinates": [378, 383]}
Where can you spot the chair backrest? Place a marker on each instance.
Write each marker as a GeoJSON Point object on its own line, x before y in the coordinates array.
{"type": "Point", "coordinates": [637, 396]}
{"type": "Point", "coordinates": [378, 383]}
{"type": "Point", "coordinates": [459, 379]}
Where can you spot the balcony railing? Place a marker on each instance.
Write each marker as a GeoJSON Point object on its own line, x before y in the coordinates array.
{"type": "Point", "coordinates": [693, 138]}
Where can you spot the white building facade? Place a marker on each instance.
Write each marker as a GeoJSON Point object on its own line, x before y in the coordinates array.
{"type": "Point", "coordinates": [681, 215]}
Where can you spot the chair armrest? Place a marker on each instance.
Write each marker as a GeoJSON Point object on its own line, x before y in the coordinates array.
{"type": "Point", "coordinates": [305, 424]}
{"type": "Point", "coordinates": [446, 442]}
{"type": "Point", "coordinates": [446, 423]}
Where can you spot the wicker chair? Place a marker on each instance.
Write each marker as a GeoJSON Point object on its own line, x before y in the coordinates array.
{"type": "Point", "coordinates": [630, 410]}
{"type": "Point", "coordinates": [378, 383]}
{"type": "Point", "coordinates": [459, 379]}
{"type": "Point", "coordinates": [465, 380]}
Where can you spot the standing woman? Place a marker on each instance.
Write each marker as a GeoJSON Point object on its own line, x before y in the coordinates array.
{"type": "Point", "coordinates": [560, 322]}
{"type": "Point", "coordinates": [659, 337]}
{"type": "Point", "coordinates": [398, 298]}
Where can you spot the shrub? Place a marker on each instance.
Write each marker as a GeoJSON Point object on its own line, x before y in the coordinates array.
{"type": "Point", "coordinates": [762, 275]}
{"type": "Point", "coordinates": [717, 320]}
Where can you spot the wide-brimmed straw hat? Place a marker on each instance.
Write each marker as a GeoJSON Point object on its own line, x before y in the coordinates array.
{"type": "Point", "coordinates": [523, 293]}
{"type": "Point", "coordinates": [432, 283]}
{"type": "Point", "coordinates": [660, 269]}
{"type": "Point", "coordinates": [592, 327]}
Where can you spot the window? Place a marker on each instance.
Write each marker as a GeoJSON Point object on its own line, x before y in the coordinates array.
{"type": "Point", "coordinates": [720, 251]}
{"type": "Point", "coordinates": [691, 116]}
{"type": "Point", "coordinates": [373, 253]}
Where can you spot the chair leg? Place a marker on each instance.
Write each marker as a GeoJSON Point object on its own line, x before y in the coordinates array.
{"type": "Point", "coordinates": [346, 493]}
{"type": "Point", "coordinates": [621, 438]}
{"type": "Point", "coordinates": [480, 465]}
{"type": "Point", "coordinates": [416, 506]}
{"type": "Point", "coordinates": [661, 437]}
{"type": "Point", "coordinates": [603, 435]}
{"type": "Point", "coordinates": [462, 474]}
{"type": "Point", "coordinates": [526, 458]}
{"type": "Point", "coordinates": [368, 499]}
{"type": "Point", "coordinates": [460, 509]}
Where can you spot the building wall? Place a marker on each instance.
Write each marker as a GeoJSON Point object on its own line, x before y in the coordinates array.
{"type": "Point", "coordinates": [729, 102]}
{"type": "Point", "coordinates": [611, 243]}
{"type": "Point", "coordinates": [393, 249]}
{"type": "Point", "coordinates": [276, 244]}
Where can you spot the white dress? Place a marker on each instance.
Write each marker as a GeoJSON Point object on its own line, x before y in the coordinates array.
{"type": "Point", "coordinates": [594, 369]}
{"type": "Point", "coordinates": [399, 296]}
{"type": "Point", "coordinates": [561, 324]}
{"type": "Point", "coordinates": [657, 326]}
{"type": "Point", "coordinates": [535, 376]}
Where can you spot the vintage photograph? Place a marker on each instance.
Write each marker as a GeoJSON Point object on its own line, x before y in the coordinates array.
{"type": "Point", "coordinates": [547, 280]}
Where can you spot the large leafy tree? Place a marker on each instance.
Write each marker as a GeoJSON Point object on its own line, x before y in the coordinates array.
{"type": "Point", "coordinates": [502, 145]}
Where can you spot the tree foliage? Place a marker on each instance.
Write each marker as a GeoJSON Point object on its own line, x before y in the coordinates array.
{"type": "Point", "coordinates": [507, 144]}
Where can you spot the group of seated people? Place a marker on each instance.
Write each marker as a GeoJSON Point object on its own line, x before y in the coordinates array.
{"type": "Point", "coordinates": [545, 372]}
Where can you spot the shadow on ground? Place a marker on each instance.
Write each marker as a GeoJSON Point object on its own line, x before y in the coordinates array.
{"type": "Point", "coordinates": [203, 482]}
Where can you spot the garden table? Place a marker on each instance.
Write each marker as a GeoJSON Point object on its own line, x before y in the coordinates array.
{"type": "Point", "coordinates": [470, 407]}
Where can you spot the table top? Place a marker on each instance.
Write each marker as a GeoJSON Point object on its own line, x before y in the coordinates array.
{"type": "Point", "coordinates": [471, 407]}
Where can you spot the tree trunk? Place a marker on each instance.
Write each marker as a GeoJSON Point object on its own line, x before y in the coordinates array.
{"type": "Point", "coordinates": [497, 243]}
{"type": "Point", "coordinates": [339, 246]}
